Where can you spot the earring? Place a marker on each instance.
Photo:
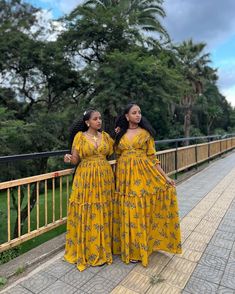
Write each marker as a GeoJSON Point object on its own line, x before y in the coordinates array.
{"type": "Point", "coordinates": [88, 125]}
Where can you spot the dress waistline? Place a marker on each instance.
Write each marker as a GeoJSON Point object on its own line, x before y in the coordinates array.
{"type": "Point", "coordinates": [93, 158]}
{"type": "Point", "coordinates": [135, 152]}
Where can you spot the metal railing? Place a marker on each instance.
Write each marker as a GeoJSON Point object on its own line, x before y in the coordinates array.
{"type": "Point", "coordinates": [34, 205]}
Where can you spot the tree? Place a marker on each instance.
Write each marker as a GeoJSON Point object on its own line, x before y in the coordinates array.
{"type": "Point", "coordinates": [135, 76]}
{"type": "Point", "coordinates": [196, 70]}
{"type": "Point", "coordinates": [99, 27]}
{"type": "Point", "coordinates": [140, 14]}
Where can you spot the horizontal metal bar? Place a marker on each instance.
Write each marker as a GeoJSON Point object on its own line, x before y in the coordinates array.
{"type": "Point", "coordinates": [32, 155]}
{"type": "Point", "coordinates": [12, 158]}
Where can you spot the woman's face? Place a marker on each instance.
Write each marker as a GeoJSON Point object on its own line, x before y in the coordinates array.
{"type": "Point", "coordinates": [95, 120]}
{"type": "Point", "coordinates": [134, 114]}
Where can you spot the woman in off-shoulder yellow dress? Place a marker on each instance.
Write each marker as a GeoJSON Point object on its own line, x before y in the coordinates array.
{"type": "Point", "coordinates": [89, 223]}
{"type": "Point", "coordinates": [145, 204]}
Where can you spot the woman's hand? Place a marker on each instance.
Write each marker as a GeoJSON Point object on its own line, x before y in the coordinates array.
{"type": "Point", "coordinates": [67, 158]}
{"type": "Point", "coordinates": [170, 181]}
{"type": "Point", "coordinates": [117, 130]}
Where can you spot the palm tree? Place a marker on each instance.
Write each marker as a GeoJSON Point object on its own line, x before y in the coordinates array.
{"type": "Point", "coordinates": [141, 14]}
{"type": "Point", "coordinates": [196, 71]}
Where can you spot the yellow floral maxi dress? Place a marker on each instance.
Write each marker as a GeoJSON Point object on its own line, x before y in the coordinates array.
{"type": "Point", "coordinates": [89, 224]}
{"type": "Point", "coordinates": [145, 208]}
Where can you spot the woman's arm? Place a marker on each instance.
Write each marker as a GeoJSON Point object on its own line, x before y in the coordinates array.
{"type": "Point", "coordinates": [72, 158]}
{"type": "Point", "coordinates": [168, 179]}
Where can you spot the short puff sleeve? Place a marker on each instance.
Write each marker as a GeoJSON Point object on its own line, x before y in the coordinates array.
{"type": "Point", "coordinates": [77, 142]}
{"type": "Point", "coordinates": [151, 151]}
{"type": "Point", "coordinates": [110, 143]}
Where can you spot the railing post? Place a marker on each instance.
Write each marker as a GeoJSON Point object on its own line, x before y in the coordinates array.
{"type": "Point", "coordinates": [209, 151]}
{"type": "Point", "coordinates": [176, 160]}
{"type": "Point", "coordinates": [220, 145]}
{"type": "Point", "coordinates": [196, 157]}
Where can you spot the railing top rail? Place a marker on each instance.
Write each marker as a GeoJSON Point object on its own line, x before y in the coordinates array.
{"type": "Point", "coordinates": [195, 138]}
{"type": "Point", "coordinates": [12, 158]}
{"type": "Point", "coordinates": [32, 155]}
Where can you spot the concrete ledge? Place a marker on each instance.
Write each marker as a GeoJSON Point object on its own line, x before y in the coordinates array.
{"type": "Point", "coordinates": [33, 257]}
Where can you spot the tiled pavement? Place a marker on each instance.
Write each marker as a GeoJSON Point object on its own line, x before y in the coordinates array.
{"type": "Point", "coordinates": [207, 265]}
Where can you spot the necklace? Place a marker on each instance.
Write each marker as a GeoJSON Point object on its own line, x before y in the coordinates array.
{"type": "Point", "coordinates": [95, 138]}
{"type": "Point", "coordinates": [133, 128]}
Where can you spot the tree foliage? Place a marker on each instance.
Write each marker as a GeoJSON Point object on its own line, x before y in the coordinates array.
{"type": "Point", "coordinates": [102, 58]}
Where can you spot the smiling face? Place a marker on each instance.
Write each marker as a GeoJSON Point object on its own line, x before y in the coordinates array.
{"type": "Point", "coordinates": [134, 114]}
{"type": "Point", "coordinates": [95, 121]}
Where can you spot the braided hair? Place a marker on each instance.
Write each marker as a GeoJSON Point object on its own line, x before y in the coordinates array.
{"type": "Point", "coordinates": [123, 124]}
{"type": "Point", "coordinates": [80, 125]}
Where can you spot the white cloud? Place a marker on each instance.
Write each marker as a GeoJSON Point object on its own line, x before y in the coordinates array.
{"type": "Point", "coordinates": [68, 5]}
{"type": "Point", "coordinates": [210, 21]}
{"type": "Point", "coordinates": [226, 80]}
{"type": "Point", "coordinates": [230, 95]}
{"type": "Point", "coordinates": [51, 28]}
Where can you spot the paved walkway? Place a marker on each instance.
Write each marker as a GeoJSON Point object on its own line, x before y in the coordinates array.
{"type": "Point", "coordinates": [207, 265]}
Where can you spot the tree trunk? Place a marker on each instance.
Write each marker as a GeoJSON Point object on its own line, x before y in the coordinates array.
{"type": "Point", "coordinates": [109, 122]}
{"type": "Point", "coordinates": [187, 124]}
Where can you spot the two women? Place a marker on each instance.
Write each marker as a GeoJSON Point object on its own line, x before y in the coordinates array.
{"type": "Point", "coordinates": [145, 212]}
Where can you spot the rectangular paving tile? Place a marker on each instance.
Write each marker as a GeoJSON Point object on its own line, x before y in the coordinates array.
{"type": "Point", "coordinates": [206, 227]}
{"type": "Point", "coordinates": [208, 273]}
{"type": "Point", "coordinates": [231, 256]}
{"type": "Point", "coordinates": [38, 282]}
{"type": "Point", "coordinates": [163, 288]}
{"type": "Point", "coordinates": [225, 290]}
{"type": "Point", "coordinates": [191, 255]}
{"type": "Point", "coordinates": [182, 265]}
{"type": "Point", "coordinates": [76, 278]}
{"type": "Point", "coordinates": [157, 262]}
{"type": "Point", "coordinates": [217, 251]}
{"type": "Point", "coordinates": [185, 234]}
{"type": "Point", "coordinates": [230, 269]}
{"type": "Point", "coordinates": [59, 288]}
{"type": "Point", "coordinates": [219, 242]}
{"type": "Point", "coordinates": [18, 290]}
{"type": "Point", "coordinates": [227, 222]}
{"type": "Point", "coordinates": [213, 261]}
{"type": "Point", "coordinates": [227, 228]}
{"type": "Point", "coordinates": [194, 245]}
{"type": "Point", "coordinates": [98, 285]}
{"type": "Point", "coordinates": [199, 286]}
{"type": "Point", "coordinates": [225, 235]}
{"type": "Point", "coordinates": [115, 273]}
{"type": "Point", "coordinates": [228, 282]}
{"type": "Point", "coordinates": [174, 278]}
{"type": "Point", "coordinates": [200, 237]}
{"type": "Point", "coordinates": [136, 282]}
{"type": "Point", "coordinates": [122, 290]}
{"type": "Point", "coordinates": [58, 268]}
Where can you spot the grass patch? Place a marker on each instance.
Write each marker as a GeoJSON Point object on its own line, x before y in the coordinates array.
{"type": "Point", "coordinates": [156, 279]}
{"type": "Point", "coordinates": [3, 281]}
{"type": "Point", "coordinates": [20, 270]}
{"type": "Point", "coordinates": [7, 255]}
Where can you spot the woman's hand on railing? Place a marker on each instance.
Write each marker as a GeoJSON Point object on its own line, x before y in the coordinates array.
{"type": "Point", "coordinates": [170, 181]}
{"type": "Point", "coordinates": [67, 158]}
{"type": "Point", "coordinates": [117, 130]}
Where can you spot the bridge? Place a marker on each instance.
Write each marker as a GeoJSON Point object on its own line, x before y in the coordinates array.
{"type": "Point", "coordinates": [207, 212]}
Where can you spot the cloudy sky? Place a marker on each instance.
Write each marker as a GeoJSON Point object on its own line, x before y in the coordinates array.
{"type": "Point", "coordinates": [209, 21]}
